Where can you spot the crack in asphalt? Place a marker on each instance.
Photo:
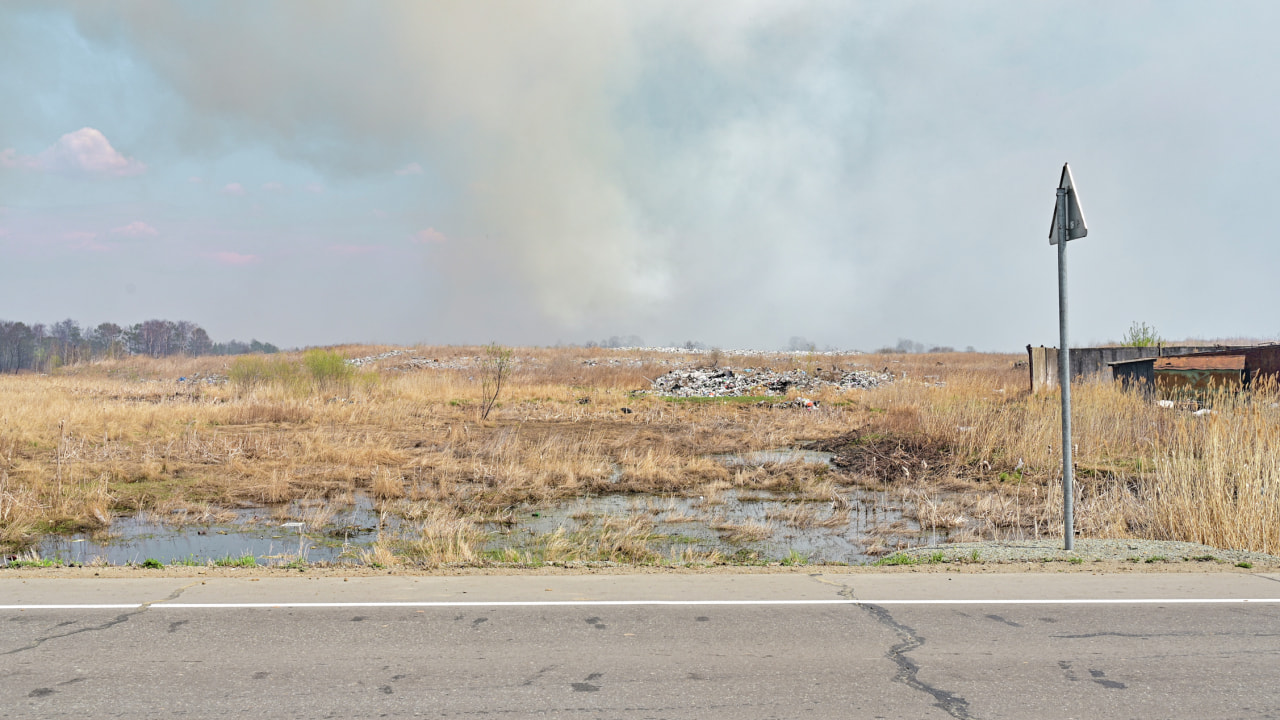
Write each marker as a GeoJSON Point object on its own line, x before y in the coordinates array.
{"type": "Point", "coordinates": [908, 670]}
{"type": "Point", "coordinates": [121, 618]}
{"type": "Point", "coordinates": [1109, 633]}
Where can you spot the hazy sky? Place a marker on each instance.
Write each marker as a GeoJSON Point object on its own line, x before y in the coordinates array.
{"type": "Point", "coordinates": [736, 173]}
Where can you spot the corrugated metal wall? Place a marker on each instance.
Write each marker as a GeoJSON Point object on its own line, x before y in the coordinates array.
{"type": "Point", "coordinates": [1092, 363]}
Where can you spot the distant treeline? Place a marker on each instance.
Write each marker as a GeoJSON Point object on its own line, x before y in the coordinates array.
{"type": "Point", "coordinates": [46, 347]}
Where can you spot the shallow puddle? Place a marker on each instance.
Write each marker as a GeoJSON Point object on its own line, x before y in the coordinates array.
{"type": "Point", "coordinates": [779, 456]}
{"type": "Point", "coordinates": [738, 524]}
{"type": "Point", "coordinates": [743, 524]}
{"type": "Point", "coordinates": [253, 532]}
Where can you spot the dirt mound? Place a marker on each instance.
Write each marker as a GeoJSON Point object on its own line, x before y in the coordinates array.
{"type": "Point", "coordinates": [889, 458]}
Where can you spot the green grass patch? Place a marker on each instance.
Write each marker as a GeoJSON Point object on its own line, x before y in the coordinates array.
{"type": "Point", "coordinates": [141, 493]}
{"type": "Point", "coordinates": [896, 559]}
{"type": "Point", "coordinates": [152, 564]}
{"type": "Point", "coordinates": [1244, 564]}
{"type": "Point", "coordinates": [65, 526]}
{"type": "Point", "coordinates": [250, 371]}
{"type": "Point", "coordinates": [246, 561]}
{"type": "Point", "coordinates": [725, 399]}
{"type": "Point", "coordinates": [329, 371]}
{"type": "Point", "coordinates": [39, 563]}
{"type": "Point", "coordinates": [795, 559]}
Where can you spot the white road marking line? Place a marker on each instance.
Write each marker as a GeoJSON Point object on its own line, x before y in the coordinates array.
{"type": "Point", "coordinates": [131, 606]}
{"type": "Point", "coordinates": [597, 603]}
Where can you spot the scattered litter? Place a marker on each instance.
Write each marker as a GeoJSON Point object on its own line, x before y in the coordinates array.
{"type": "Point", "coordinates": [615, 362]}
{"type": "Point", "coordinates": [199, 378]}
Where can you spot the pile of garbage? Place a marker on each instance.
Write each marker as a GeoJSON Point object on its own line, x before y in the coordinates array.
{"type": "Point", "coordinates": [724, 382]}
{"type": "Point", "coordinates": [361, 362]}
{"type": "Point", "coordinates": [734, 352]}
{"type": "Point", "coordinates": [414, 362]}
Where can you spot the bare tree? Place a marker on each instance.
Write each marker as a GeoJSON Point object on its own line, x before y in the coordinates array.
{"type": "Point", "coordinates": [494, 368]}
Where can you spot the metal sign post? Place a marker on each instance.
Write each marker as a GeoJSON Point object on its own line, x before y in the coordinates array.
{"type": "Point", "coordinates": [1068, 224]}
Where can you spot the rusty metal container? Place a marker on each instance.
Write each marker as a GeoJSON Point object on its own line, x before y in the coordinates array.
{"type": "Point", "coordinates": [1199, 373]}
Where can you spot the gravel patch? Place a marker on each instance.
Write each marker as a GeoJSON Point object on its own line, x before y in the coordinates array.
{"type": "Point", "coordinates": [1088, 550]}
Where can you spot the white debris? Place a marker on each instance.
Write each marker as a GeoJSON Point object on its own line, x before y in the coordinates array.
{"type": "Point", "coordinates": [738, 352]}
{"type": "Point", "coordinates": [414, 362]}
{"type": "Point", "coordinates": [725, 382]}
{"type": "Point", "coordinates": [360, 362]}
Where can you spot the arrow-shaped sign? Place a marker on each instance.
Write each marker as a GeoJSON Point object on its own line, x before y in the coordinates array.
{"type": "Point", "coordinates": [1075, 216]}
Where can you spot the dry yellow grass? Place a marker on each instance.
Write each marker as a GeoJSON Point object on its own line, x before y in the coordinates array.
{"type": "Point", "coordinates": [1142, 470]}
{"type": "Point", "coordinates": [79, 447]}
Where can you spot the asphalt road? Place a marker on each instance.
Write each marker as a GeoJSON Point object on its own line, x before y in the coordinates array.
{"type": "Point", "coordinates": [654, 646]}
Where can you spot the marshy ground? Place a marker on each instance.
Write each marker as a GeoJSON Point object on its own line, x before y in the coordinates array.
{"type": "Point", "coordinates": [296, 460]}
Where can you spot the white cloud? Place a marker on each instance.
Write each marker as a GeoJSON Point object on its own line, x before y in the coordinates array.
{"type": "Point", "coordinates": [136, 229]}
{"type": "Point", "coordinates": [83, 152]}
{"type": "Point", "coordinates": [316, 188]}
{"type": "Point", "coordinates": [272, 187]}
{"type": "Point", "coordinates": [412, 168]}
{"type": "Point", "coordinates": [234, 188]}
{"type": "Point", "coordinates": [194, 179]}
{"type": "Point", "coordinates": [430, 236]}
